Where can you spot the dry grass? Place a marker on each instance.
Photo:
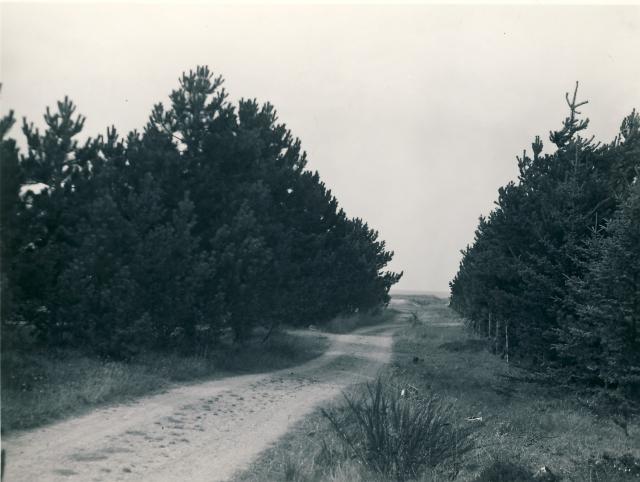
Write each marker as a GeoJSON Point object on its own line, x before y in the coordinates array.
{"type": "Point", "coordinates": [39, 388]}
{"type": "Point", "coordinates": [519, 426]}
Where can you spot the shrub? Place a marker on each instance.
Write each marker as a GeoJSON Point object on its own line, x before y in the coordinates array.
{"type": "Point", "coordinates": [610, 467]}
{"type": "Point", "coordinates": [396, 435]}
{"type": "Point", "coordinates": [505, 471]}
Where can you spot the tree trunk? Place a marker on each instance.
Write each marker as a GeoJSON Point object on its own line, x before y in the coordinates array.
{"type": "Point", "coordinates": [506, 340]}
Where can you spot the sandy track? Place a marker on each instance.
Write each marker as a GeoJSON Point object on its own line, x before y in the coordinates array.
{"type": "Point", "coordinates": [202, 432]}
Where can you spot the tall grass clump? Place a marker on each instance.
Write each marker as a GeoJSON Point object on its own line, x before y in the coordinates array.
{"type": "Point", "coordinates": [396, 435]}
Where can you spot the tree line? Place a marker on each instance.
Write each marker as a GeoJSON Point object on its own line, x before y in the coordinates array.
{"type": "Point", "coordinates": [206, 223]}
{"type": "Point", "coordinates": [553, 274]}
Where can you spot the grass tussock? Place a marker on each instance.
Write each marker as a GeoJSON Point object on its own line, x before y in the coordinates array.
{"type": "Point", "coordinates": [38, 388]}
{"type": "Point", "coordinates": [396, 435]}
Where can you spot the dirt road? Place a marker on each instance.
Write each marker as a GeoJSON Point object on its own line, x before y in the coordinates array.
{"type": "Point", "coordinates": [202, 432]}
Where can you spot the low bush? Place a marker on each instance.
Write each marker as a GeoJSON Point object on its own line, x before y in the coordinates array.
{"type": "Point", "coordinates": [470, 344]}
{"type": "Point", "coordinates": [609, 468]}
{"type": "Point", "coordinates": [505, 471]}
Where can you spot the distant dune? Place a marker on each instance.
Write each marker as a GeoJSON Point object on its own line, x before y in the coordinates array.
{"type": "Point", "coordinates": [400, 292]}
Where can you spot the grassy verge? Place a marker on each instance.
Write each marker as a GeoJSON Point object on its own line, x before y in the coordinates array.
{"type": "Point", "coordinates": [40, 388]}
{"type": "Point", "coordinates": [518, 427]}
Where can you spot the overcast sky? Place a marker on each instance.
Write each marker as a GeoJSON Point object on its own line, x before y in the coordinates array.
{"type": "Point", "coordinates": [413, 115]}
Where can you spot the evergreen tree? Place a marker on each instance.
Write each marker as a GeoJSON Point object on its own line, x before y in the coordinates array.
{"type": "Point", "coordinates": [601, 344]}
{"type": "Point", "coordinates": [206, 222]}
{"type": "Point", "coordinates": [533, 256]}
{"type": "Point", "coordinates": [11, 179]}
{"type": "Point", "coordinates": [57, 163]}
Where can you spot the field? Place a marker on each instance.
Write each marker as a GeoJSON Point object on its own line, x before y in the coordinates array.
{"type": "Point", "coordinates": [520, 428]}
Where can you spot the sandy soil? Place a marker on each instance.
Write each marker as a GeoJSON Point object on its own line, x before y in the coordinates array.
{"type": "Point", "coordinates": [195, 432]}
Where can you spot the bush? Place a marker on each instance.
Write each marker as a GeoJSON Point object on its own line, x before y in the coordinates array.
{"type": "Point", "coordinates": [610, 467]}
{"type": "Point", "coordinates": [396, 435]}
{"type": "Point", "coordinates": [505, 471]}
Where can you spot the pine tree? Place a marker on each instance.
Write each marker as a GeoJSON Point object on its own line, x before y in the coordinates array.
{"type": "Point", "coordinates": [601, 342]}
{"type": "Point", "coordinates": [56, 162]}
{"type": "Point", "coordinates": [529, 254]}
{"type": "Point", "coordinates": [206, 221]}
{"type": "Point", "coordinates": [11, 179]}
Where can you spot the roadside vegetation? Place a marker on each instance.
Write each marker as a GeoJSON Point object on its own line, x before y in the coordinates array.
{"type": "Point", "coordinates": [497, 422]}
{"type": "Point", "coordinates": [38, 388]}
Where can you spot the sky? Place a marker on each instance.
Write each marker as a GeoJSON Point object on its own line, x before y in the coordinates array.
{"type": "Point", "coordinates": [413, 115]}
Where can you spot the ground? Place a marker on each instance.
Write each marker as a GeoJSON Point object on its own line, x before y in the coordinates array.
{"type": "Point", "coordinates": [269, 426]}
{"type": "Point", "coordinates": [519, 426]}
{"type": "Point", "coordinates": [204, 431]}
